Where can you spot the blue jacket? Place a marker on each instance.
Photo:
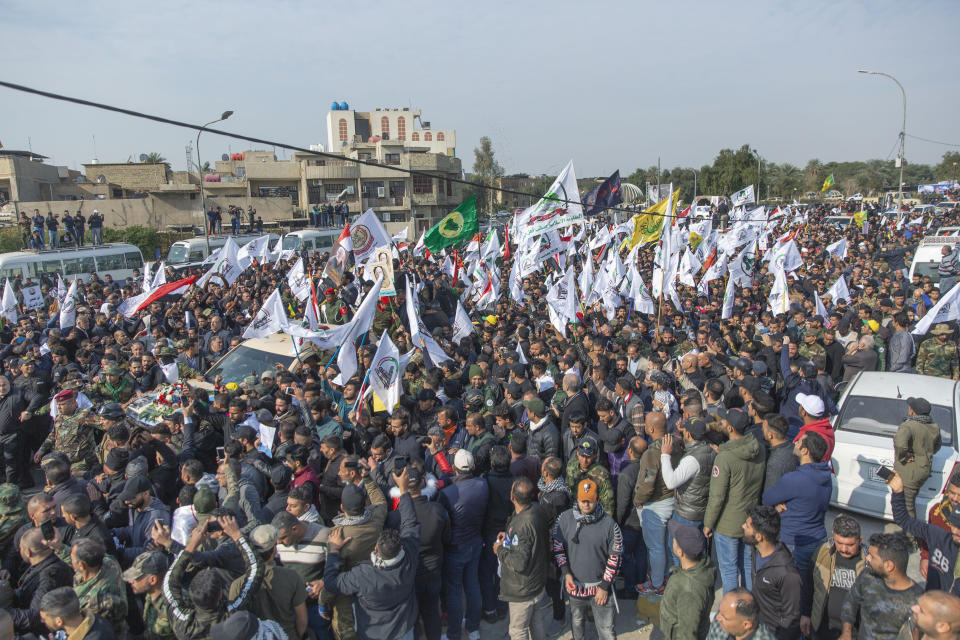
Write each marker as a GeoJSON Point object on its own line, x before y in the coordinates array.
{"type": "Point", "coordinates": [465, 499]}
{"type": "Point", "coordinates": [806, 492]}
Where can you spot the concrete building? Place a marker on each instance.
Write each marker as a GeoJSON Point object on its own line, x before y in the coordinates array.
{"type": "Point", "coordinates": [346, 126]}
{"type": "Point", "coordinates": [24, 176]}
{"type": "Point", "coordinates": [516, 182]}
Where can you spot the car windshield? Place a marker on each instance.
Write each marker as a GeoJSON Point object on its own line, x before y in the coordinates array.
{"type": "Point", "coordinates": [245, 361]}
{"type": "Point", "coordinates": [178, 254]}
{"type": "Point", "coordinates": [927, 269]}
{"type": "Point", "coordinates": [291, 242]}
{"type": "Point", "coordinates": [882, 416]}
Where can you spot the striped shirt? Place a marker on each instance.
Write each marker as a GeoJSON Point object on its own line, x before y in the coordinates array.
{"type": "Point", "coordinates": [308, 556]}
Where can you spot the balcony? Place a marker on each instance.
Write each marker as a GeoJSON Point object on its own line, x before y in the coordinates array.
{"type": "Point", "coordinates": [346, 171]}
{"type": "Point", "coordinates": [396, 203]}
{"type": "Point", "coordinates": [273, 170]}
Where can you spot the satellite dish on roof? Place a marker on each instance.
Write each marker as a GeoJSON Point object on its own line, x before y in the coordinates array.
{"type": "Point", "coordinates": [101, 179]}
{"type": "Point", "coordinates": [225, 157]}
{"type": "Point", "coordinates": [143, 157]}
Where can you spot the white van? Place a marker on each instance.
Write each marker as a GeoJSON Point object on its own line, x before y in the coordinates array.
{"type": "Point", "coordinates": [926, 259]}
{"type": "Point", "coordinates": [313, 240]}
{"type": "Point", "coordinates": [192, 252]}
{"type": "Point", "coordinates": [118, 260]}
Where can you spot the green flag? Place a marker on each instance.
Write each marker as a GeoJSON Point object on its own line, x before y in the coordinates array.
{"type": "Point", "coordinates": [457, 226]}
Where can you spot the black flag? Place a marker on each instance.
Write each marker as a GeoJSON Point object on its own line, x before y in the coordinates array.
{"type": "Point", "coordinates": [603, 196]}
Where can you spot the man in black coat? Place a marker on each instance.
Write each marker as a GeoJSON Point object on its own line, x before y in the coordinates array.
{"type": "Point", "coordinates": [17, 404]}
{"type": "Point", "coordinates": [45, 572]}
{"type": "Point", "coordinates": [555, 498]}
{"type": "Point", "coordinates": [634, 549]}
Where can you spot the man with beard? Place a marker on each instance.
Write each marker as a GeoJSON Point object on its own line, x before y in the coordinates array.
{"type": "Point", "coordinates": [836, 565]}
{"type": "Point", "coordinates": [882, 596]}
{"type": "Point", "coordinates": [144, 511]}
{"type": "Point", "coordinates": [776, 581]}
{"type": "Point", "coordinates": [937, 616]}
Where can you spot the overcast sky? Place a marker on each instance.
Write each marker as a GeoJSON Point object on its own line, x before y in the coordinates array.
{"type": "Point", "coordinates": [611, 85]}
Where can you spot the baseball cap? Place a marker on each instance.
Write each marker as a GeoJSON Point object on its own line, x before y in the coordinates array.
{"type": "Point", "coordinates": [811, 403]}
{"type": "Point", "coordinates": [426, 394]}
{"type": "Point", "coordinates": [269, 373]}
{"type": "Point", "coordinates": [463, 460]}
{"type": "Point", "coordinates": [112, 411]}
{"type": "Point", "coordinates": [352, 499]}
{"type": "Point", "coordinates": [689, 539]}
{"type": "Point", "coordinates": [919, 405]}
{"type": "Point", "coordinates": [152, 563]}
{"type": "Point", "coordinates": [264, 415]}
{"type": "Point", "coordinates": [535, 406]}
{"type": "Point", "coordinates": [588, 448]}
{"type": "Point", "coordinates": [953, 517]}
{"type": "Point", "coordinates": [587, 490]}
{"type": "Point", "coordinates": [696, 427]}
{"type": "Point", "coordinates": [204, 501]}
{"type": "Point", "coordinates": [738, 418]}
{"type": "Point", "coordinates": [133, 487]}
{"type": "Point", "coordinates": [264, 537]}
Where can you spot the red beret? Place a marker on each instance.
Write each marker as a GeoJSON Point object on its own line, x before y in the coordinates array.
{"type": "Point", "coordinates": [65, 394]}
{"type": "Point", "coordinates": [329, 291]}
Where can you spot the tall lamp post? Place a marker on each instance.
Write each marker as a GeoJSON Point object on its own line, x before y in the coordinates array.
{"type": "Point", "coordinates": [203, 205]}
{"type": "Point", "coordinates": [903, 132]}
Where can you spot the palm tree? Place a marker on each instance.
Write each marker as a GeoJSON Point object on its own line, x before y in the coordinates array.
{"type": "Point", "coordinates": [154, 158]}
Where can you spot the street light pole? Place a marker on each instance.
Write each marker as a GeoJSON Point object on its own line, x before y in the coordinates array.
{"type": "Point", "coordinates": [903, 132]}
{"type": "Point", "coordinates": [203, 205]}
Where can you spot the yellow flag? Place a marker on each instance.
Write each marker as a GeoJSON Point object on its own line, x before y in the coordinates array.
{"type": "Point", "coordinates": [860, 217]}
{"type": "Point", "coordinates": [648, 225]}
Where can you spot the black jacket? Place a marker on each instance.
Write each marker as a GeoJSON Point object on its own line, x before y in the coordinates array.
{"type": "Point", "coordinates": [525, 554]}
{"type": "Point", "coordinates": [544, 442]}
{"type": "Point", "coordinates": [434, 535]}
{"type": "Point", "coordinates": [19, 399]}
{"type": "Point", "coordinates": [577, 403]}
{"type": "Point", "coordinates": [943, 550]}
{"type": "Point", "coordinates": [776, 588]}
{"type": "Point", "coordinates": [35, 582]}
{"type": "Point", "coordinates": [499, 507]}
{"type": "Point", "coordinates": [626, 515]}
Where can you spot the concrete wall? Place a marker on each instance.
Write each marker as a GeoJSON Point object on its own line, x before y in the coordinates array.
{"type": "Point", "coordinates": [132, 175]}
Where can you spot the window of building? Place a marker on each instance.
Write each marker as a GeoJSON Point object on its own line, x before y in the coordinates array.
{"type": "Point", "coordinates": [422, 185]}
{"type": "Point", "coordinates": [363, 156]}
{"type": "Point", "coordinates": [398, 188]}
{"type": "Point", "coordinates": [241, 172]}
{"type": "Point", "coordinates": [427, 137]}
{"type": "Point", "coordinates": [392, 158]}
{"type": "Point", "coordinates": [343, 129]}
{"type": "Point", "coordinates": [385, 127]}
{"type": "Point", "coordinates": [440, 136]}
{"type": "Point", "coordinates": [371, 188]}
{"type": "Point", "coordinates": [415, 136]}
{"type": "Point", "coordinates": [449, 187]}
{"type": "Point", "coordinates": [401, 128]}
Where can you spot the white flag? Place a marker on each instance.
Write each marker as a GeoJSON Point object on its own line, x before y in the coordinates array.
{"type": "Point", "coordinates": [562, 296]}
{"type": "Point", "coordinates": [642, 301]}
{"type": "Point", "coordinates": [559, 207]}
{"type": "Point", "coordinates": [741, 269]}
{"type": "Point", "coordinates": [742, 197]}
{"type": "Point", "coordinates": [68, 308]}
{"type": "Point", "coordinates": [159, 278]}
{"type": "Point", "coordinates": [270, 319]}
{"type": "Point", "coordinates": [385, 373]}
{"type": "Point", "coordinates": [9, 303]}
{"type": "Point", "coordinates": [368, 233]}
{"type": "Point", "coordinates": [401, 237]}
{"type": "Point", "coordinates": [779, 299]}
{"type": "Point", "coordinates": [61, 289]}
{"type": "Point", "coordinates": [945, 310]}
{"type": "Point", "coordinates": [785, 257]}
{"type": "Point", "coordinates": [297, 279]}
{"type": "Point", "coordinates": [821, 310]}
{"type": "Point", "coordinates": [838, 249]}
{"type": "Point", "coordinates": [253, 249]}
{"type": "Point", "coordinates": [147, 278]}
{"type": "Point", "coordinates": [516, 285]}
{"type": "Point", "coordinates": [419, 334]}
{"type": "Point", "coordinates": [171, 372]}
{"type": "Point", "coordinates": [462, 326]}
{"type": "Point", "coordinates": [226, 267]}
{"type": "Point", "coordinates": [729, 295]}
{"type": "Point", "coordinates": [839, 291]}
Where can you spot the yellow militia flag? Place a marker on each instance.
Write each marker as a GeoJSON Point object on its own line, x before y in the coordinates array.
{"type": "Point", "coordinates": [648, 225]}
{"type": "Point", "coordinates": [827, 183]}
{"type": "Point", "coordinates": [860, 217]}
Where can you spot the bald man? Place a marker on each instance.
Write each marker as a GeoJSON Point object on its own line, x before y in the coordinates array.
{"type": "Point", "coordinates": [937, 615]}
{"type": "Point", "coordinates": [577, 402]}
{"type": "Point", "coordinates": [45, 572]}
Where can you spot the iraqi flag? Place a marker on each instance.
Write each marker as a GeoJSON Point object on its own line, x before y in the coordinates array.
{"type": "Point", "coordinates": [177, 288]}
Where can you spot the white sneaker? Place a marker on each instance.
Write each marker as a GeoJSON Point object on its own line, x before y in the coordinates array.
{"type": "Point", "coordinates": [474, 635]}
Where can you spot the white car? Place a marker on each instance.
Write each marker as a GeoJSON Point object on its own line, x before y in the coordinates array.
{"type": "Point", "coordinates": [254, 356]}
{"type": "Point", "coordinates": [872, 407]}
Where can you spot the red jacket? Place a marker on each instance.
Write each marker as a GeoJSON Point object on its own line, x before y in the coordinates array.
{"type": "Point", "coordinates": [305, 475]}
{"type": "Point", "coordinates": [823, 428]}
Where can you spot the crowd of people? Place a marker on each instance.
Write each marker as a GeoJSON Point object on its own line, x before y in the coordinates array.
{"type": "Point", "coordinates": [541, 475]}
{"type": "Point", "coordinates": [72, 235]}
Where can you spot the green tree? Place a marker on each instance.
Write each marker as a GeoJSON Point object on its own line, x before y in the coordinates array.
{"type": "Point", "coordinates": [949, 166]}
{"type": "Point", "coordinates": [486, 170]}
{"type": "Point", "coordinates": [154, 158]}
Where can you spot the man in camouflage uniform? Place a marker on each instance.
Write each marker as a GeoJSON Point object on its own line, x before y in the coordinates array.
{"type": "Point", "coordinates": [332, 309]}
{"type": "Point", "coordinates": [115, 387]}
{"type": "Point", "coordinates": [811, 346]}
{"type": "Point", "coordinates": [939, 357]}
{"type": "Point", "coordinates": [167, 355]}
{"type": "Point", "coordinates": [492, 393]}
{"type": "Point", "coordinates": [585, 465]}
{"type": "Point", "coordinates": [13, 515]}
{"type": "Point", "coordinates": [98, 584]}
{"type": "Point", "coordinates": [72, 434]}
{"type": "Point", "coordinates": [146, 577]}
{"type": "Point", "coordinates": [110, 415]}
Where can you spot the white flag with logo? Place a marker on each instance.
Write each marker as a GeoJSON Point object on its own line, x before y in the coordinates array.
{"type": "Point", "coordinates": [779, 299]}
{"type": "Point", "coordinates": [729, 295]}
{"type": "Point", "coordinates": [785, 257]}
{"type": "Point", "coordinates": [385, 373]}
{"type": "Point", "coordinates": [742, 197]}
{"type": "Point", "coordinates": [9, 303]}
{"type": "Point", "coordinates": [226, 267]}
{"type": "Point", "coordinates": [559, 207]}
{"type": "Point", "coordinates": [821, 310]}
{"type": "Point", "coordinates": [838, 249]}
{"type": "Point", "coordinates": [946, 309]}
{"type": "Point", "coordinates": [68, 308]}
{"type": "Point", "coordinates": [255, 249]}
{"type": "Point", "coordinates": [368, 233]}
{"type": "Point", "coordinates": [462, 326]}
{"type": "Point", "coordinates": [61, 289]}
{"type": "Point", "coordinates": [147, 278]}
{"type": "Point", "coordinates": [270, 319]}
{"type": "Point", "coordinates": [297, 279]}
{"type": "Point", "coordinates": [160, 277]}
{"type": "Point", "coordinates": [741, 268]}
{"type": "Point", "coordinates": [839, 291]}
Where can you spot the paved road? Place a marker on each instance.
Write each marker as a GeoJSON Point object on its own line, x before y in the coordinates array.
{"type": "Point", "coordinates": [628, 627]}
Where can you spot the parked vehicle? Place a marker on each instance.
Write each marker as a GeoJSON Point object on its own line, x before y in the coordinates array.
{"type": "Point", "coordinates": [927, 258]}
{"type": "Point", "coordinates": [118, 260]}
{"type": "Point", "coordinates": [256, 355]}
{"type": "Point", "coordinates": [184, 254]}
{"type": "Point", "coordinates": [313, 240]}
{"type": "Point", "coordinates": [872, 407]}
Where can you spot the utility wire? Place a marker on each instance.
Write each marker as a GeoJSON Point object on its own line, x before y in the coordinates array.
{"type": "Point", "coordinates": [271, 143]}
{"type": "Point", "coordinates": [946, 144]}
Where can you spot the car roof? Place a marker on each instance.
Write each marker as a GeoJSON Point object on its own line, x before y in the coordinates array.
{"type": "Point", "coordinates": [886, 384]}
{"type": "Point", "coordinates": [278, 343]}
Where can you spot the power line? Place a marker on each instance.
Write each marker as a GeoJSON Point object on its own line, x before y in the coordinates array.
{"type": "Point", "coordinates": [946, 144]}
{"type": "Point", "coordinates": [272, 143]}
